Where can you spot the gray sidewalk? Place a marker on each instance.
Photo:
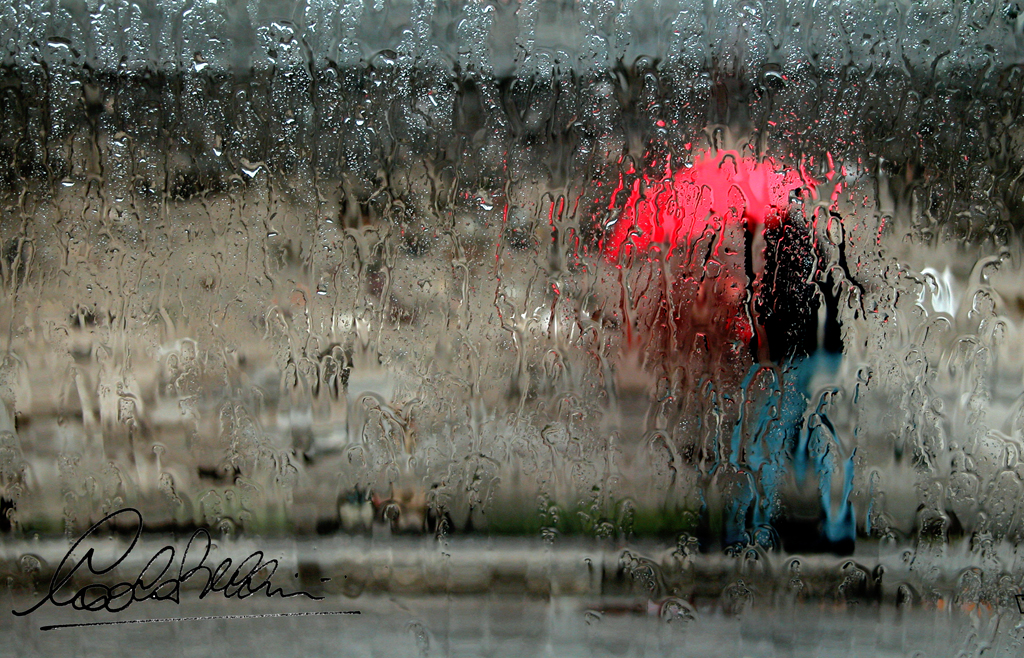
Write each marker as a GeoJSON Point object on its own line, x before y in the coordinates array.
{"type": "Point", "coordinates": [422, 566]}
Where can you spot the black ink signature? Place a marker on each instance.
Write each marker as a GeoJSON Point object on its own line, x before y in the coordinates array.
{"type": "Point", "coordinates": [251, 576]}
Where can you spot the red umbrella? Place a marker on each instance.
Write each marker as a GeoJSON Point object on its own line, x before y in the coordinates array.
{"type": "Point", "coordinates": [705, 219]}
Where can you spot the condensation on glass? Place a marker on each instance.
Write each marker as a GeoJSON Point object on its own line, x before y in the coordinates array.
{"type": "Point", "coordinates": [721, 300]}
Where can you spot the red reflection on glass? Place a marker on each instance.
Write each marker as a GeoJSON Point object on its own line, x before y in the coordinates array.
{"type": "Point", "coordinates": [716, 190]}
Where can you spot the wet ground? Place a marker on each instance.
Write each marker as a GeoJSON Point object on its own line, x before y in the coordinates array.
{"type": "Point", "coordinates": [420, 597]}
{"type": "Point", "coordinates": [398, 626]}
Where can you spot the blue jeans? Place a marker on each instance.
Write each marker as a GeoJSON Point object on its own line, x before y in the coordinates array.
{"type": "Point", "coordinates": [785, 436]}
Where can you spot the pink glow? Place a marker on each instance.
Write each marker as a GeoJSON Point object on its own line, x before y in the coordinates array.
{"type": "Point", "coordinates": [680, 208]}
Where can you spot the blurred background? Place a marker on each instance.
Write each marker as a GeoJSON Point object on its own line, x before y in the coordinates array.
{"type": "Point", "coordinates": [654, 311]}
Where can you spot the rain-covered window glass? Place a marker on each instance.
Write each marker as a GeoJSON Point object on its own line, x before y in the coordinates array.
{"type": "Point", "coordinates": [498, 327]}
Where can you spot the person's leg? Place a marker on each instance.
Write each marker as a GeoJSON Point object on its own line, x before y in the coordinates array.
{"type": "Point", "coordinates": [818, 451]}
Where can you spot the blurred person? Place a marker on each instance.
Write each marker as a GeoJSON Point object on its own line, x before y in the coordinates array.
{"type": "Point", "coordinates": [720, 279]}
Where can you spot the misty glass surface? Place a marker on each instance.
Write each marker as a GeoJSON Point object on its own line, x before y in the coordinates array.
{"type": "Point", "coordinates": [606, 327]}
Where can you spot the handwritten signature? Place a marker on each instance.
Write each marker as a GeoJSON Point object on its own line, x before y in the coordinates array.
{"type": "Point", "coordinates": [250, 576]}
